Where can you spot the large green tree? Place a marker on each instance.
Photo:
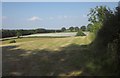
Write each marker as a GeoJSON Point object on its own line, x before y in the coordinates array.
{"type": "Point", "coordinates": [97, 16]}
{"type": "Point", "coordinates": [107, 43]}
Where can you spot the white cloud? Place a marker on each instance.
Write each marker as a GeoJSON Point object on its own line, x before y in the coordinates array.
{"type": "Point", "coordinates": [35, 18]}
{"type": "Point", "coordinates": [68, 17]}
{"type": "Point", "coordinates": [65, 16]}
{"type": "Point", "coordinates": [61, 17]}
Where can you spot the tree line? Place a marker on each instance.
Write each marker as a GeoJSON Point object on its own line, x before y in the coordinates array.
{"type": "Point", "coordinates": [74, 29]}
{"type": "Point", "coordinates": [21, 32]}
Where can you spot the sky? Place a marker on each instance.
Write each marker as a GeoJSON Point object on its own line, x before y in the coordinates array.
{"type": "Point", "coordinates": [48, 15]}
{"type": "Point", "coordinates": [59, 0]}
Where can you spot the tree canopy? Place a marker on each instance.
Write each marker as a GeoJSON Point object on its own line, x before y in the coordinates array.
{"type": "Point", "coordinates": [83, 28]}
{"type": "Point", "coordinates": [71, 29]}
{"type": "Point", "coordinates": [97, 16]}
{"type": "Point", "coordinates": [63, 29]}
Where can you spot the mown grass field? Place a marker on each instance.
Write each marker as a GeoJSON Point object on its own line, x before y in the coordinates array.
{"type": "Point", "coordinates": [47, 56]}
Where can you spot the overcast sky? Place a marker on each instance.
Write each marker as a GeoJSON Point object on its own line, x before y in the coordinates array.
{"type": "Point", "coordinates": [50, 15]}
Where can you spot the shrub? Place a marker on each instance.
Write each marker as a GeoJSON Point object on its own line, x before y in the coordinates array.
{"type": "Point", "coordinates": [80, 33]}
{"type": "Point", "coordinates": [12, 41]}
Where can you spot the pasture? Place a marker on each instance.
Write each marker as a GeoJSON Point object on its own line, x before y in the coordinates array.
{"type": "Point", "coordinates": [39, 56]}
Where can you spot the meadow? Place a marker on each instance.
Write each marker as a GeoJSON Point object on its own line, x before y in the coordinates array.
{"type": "Point", "coordinates": [91, 50]}
{"type": "Point", "coordinates": [50, 56]}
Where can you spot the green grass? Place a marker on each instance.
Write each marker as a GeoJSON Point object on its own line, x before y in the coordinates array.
{"type": "Point", "coordinates": [68, 56]}
{"type": "Point", "coordinates": [47, 42]}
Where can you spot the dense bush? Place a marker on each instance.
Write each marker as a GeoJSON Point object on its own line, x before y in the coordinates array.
{"type": "Point", "coordinates": [106, 46]}
{"type": "Point", "coordinates": [12, 41]}
{"type": "Point", "coordinates": [80, 33]}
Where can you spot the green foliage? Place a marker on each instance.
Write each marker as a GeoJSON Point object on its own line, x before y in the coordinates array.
{"type": "Point", "coordinates": [13, 33]}
{"type": "Point", "coordinates": [18, 34]}
{"type": "Point", "coordinates": [97, 14]}
{"type": "Point", "coordinates": [89, 27]}
{"type": "Point", "coordinates": [71, 29]}
{"type": "Point", "coordinates": [107, 42]}
{"type": "Point", "coordinates": [12, 41]}
{"type": "Point", "coordinates": [80, 33]}
{"type": "Point", "coordinates": [40, 30]}
{"type": "Point", "coordinates": [95, 27]}
{"type": "Point", "coordinates": [76, 28]}
{"type": "Point", "coordinates": [63, 29]}
{"type": "Point", "coordinates": [8, 33]}
{"type": "Point", "coordinates": [83, 28]}
{"type": "Point", "coordinates": [97, 17]}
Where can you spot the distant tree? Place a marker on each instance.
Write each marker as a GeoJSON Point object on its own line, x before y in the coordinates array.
{"type": "Point", "coordinates": [18, 34]}
{"type": "Point", "coordinates": [8, 33]}
{"type": "Point", "coordinates": [89, 27]}
{"type": "Point", "coordinates": [71, 29]}
{"type": "Point", "coordinates": [76, 28]}
{"type": "Point", "coordinates": [63, 29]}
{"type": "Point", "coordinates": [0, 33]}
{"type": "Point", "coordinates": [12, 33]}
{"type": "Point", "coordinates": [40, 30]}
{"type": "Point", "coordinates": [83, 28]}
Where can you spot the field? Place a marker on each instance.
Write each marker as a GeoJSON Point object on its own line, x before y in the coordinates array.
{"type": "Point", "coordinates": [64, 34]}
{"type": "Point", "coordinates": [47, 56]}
{"type": "Point", "coordinates": [60, 34]}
